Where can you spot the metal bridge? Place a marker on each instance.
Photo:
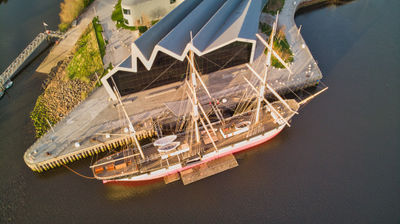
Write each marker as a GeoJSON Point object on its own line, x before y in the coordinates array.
{"type": "Point", "coordinates": [5, 77]}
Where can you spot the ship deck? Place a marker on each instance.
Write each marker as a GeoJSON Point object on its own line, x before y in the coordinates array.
{"type": "Point", "coordinates": [129, 162]}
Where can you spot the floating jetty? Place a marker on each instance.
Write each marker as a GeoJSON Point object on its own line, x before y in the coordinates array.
{"type": "Point", "coordinates": [96, 125]}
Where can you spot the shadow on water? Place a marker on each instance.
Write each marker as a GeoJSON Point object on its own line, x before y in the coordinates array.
{"type": "Point", "coordinates": [337, 163]}
{"type": "Point", "coordinates": [321, 5]}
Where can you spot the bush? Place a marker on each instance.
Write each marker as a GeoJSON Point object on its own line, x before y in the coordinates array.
{"type": "Point", "coordinates": [39, 115]}
{"type": "Point", "coordinates": [117, 13]}
{"type": "Point", "coordinates": [282, 47]}
{"type": "Point", "coordinates": [142, 29]}
{"type": "Point", "coordinates": [99, 36]}
{"type": "Point", "coordinates": [119, 18]}
{"type": "Point", "coordinates": [265, 28]}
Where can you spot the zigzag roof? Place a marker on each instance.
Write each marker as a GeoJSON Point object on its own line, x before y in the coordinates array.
{"type": "Point", "coordinates": [213, 24]}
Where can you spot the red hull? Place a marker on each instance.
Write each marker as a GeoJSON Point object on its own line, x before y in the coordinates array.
{"type": "Point", "coordinates": [251, 145]}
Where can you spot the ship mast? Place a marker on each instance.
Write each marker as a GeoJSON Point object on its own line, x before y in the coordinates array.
{"type": "Point", "coordinates": [264, 79]}
{"type": "Point", "coordinates": [193, 85]}
{"type": "Point", "coordinates": [131, 128]}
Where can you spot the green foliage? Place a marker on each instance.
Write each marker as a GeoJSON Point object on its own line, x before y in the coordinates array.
{"type": "Point", "coordinates": [265, 28]}
{"type": "Point", "coordinates": [87, 58]}
{"type": "Point", "coordinates": [142, 29]}
{"type": "Point", "coordinates": [119, 18]}
{"type": "Point", "coordinates": [100, 40]}
{"type": "Point", "coordinates": [63, 26]}
{"type": "Point", "coordinates": [39, 115]}
{"type": "Point", "coordinates": [273, 6]}
{"type": "Point", "coordinates": [117, 13]}
{"type": "Point", "coordinates": [153, 22]}
{"type": "Point", "coordinates": [282, 47]}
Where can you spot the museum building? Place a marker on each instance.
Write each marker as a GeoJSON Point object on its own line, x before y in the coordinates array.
{"type": "Point", "coordinates": [221, 33]}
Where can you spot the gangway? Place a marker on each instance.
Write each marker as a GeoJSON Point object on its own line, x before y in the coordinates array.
{"type": "Point", "coordinates": [8, 74]}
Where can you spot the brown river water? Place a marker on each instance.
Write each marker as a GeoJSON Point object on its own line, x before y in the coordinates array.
{"type": "Point", "coordinates": [338, 163]}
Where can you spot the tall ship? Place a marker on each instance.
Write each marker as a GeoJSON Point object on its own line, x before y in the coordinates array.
{"type": "Point", "coordinates": [207, 133]}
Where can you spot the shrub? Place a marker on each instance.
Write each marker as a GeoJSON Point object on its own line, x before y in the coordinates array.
{"type": "Point", "coordinates": [265, 28]}
{"type": "Point", "coordinates": [119, 18]}
{"type": "Point", "coordinates": [282, 47]}
{"type": "Point", "coordinates": [99, 36]}
{"type": "Point", "coordinates": [142, 29]}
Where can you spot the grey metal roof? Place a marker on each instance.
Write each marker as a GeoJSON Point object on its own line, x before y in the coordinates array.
{"type": "Point", "coordinates": [146, 43]}
{"type": "Point", "coordinates": [127, 63]}
{"type": "Point", "coordinates": [177, 40]}
{"type": "Point", "coordinates": [213, 23]}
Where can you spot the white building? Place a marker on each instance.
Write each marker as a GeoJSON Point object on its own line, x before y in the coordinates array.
{"type": "Point", "coordinates": [144, 12]}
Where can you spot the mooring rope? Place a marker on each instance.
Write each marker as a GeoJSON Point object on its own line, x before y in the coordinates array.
{"type": "Point", "coordinates": [81, 175]}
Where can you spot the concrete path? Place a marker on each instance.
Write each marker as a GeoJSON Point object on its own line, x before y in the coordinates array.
{"type": "Point", "coordinates": [65, 46]}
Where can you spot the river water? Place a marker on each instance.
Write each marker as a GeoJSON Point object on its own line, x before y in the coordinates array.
{"type": "Point", "coordinates": [338, 163]}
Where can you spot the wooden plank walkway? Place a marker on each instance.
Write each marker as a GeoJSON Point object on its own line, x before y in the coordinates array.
{"type": "Point", "coordinates": [208, 169]}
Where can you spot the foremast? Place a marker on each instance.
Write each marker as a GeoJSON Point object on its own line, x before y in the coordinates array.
{"type": "Point", "coordinates": [130, 125]}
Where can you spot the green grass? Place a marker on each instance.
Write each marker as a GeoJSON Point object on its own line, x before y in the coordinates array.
{"type": "Point", "coordinates": [99, 36]}
{"type": "Point", "coordinates": [87, 57]}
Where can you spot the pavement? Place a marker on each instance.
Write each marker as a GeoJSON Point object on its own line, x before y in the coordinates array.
{"type": "Point", "coordinates": [119, 40]}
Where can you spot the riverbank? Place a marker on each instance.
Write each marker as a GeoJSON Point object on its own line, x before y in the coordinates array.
{"type": "Point", "coordinates": [69, 83]}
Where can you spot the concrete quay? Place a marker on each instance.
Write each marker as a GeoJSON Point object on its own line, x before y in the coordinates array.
{"type": "Point", "coordinates": [97, 124]}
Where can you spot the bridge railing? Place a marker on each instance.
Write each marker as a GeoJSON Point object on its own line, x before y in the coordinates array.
{"type": "Point", "coordinates": [23, 56]}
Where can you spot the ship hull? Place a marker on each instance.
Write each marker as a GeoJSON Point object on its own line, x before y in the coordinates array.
{"type": "Point", "coordinates": [237, 147]}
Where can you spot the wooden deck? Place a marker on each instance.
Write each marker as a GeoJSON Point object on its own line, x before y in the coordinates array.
{"type": "Point", "coordinates": [208, 169]}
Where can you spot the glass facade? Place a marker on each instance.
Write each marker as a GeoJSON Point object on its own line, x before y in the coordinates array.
{"type": "Point", "coordinates": [167, 69]}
